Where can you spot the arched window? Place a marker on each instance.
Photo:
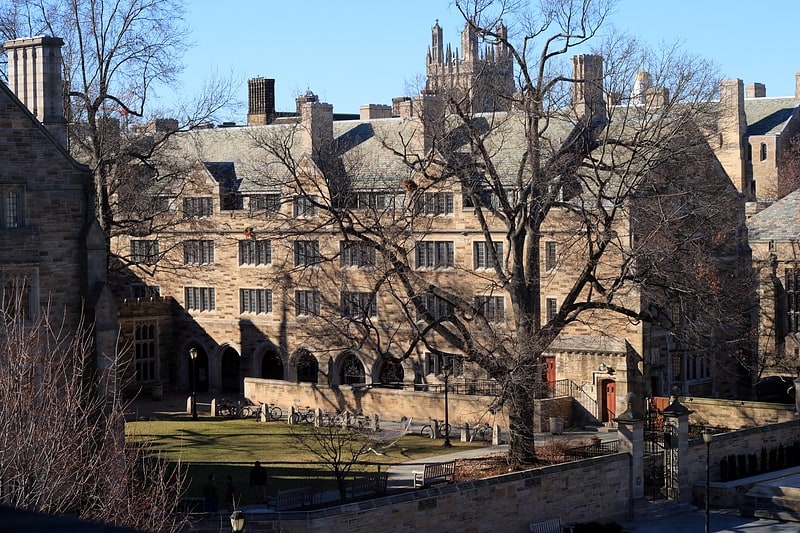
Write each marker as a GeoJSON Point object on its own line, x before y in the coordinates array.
{"type": "Point", "coordinates": [307, 368]}
{"type": "Point", "coordinates": [763, 151]}
{"type": "Point", "coordinates": [391, 372]}
{"type": "Point", "coordinates": [271, 365]}
{"type": "Point", "coordinates": [351, 371]}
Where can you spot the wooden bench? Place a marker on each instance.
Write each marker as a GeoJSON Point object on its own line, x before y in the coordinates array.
{"type": "Point", "coordinates": [294, 499]}
{"type": "Point", "coordinates": [367, 484]}
{"type": "Point", "coordinates": [435, 473]}
{"type": "Point", "coordinates": [553, 525]}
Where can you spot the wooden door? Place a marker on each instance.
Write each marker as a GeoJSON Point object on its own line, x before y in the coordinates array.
{"type": "Point", "coordinates": [609, 388]}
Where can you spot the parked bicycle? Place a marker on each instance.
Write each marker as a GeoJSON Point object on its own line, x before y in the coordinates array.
{"type": "Point", "coordinates": [254, 411]}
{"type": "Point", "coordinates": [427, 430]}
{"type": "Point", "coordinates": [227, 408]}
{"type": "Point", "coordinates": [303, 416]}
{"type": "Point", "coordinates": [481, 432]}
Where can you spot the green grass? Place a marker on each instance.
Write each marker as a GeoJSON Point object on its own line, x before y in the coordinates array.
{"type": "Point", "coordinates": [230, 447]}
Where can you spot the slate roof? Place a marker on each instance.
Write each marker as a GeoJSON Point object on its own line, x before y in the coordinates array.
{"type": "Point", "coordinates": [779, 222]}
{"type": "Point", "coordinates": [768, 116]}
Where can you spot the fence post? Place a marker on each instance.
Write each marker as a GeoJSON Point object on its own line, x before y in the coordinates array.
{"type": "Point", "coordinates": [630, 426]}
{"type": "Point", "coordinates": [676, 468]}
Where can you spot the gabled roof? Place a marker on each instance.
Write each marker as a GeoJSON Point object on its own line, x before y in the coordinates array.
{"type": "Point", "coordinates": [778, 222]}
{"type": "Point", "coordinates": [769, 116]}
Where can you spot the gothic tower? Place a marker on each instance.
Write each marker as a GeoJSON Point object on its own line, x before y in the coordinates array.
{"type": "Point", "coordinates": [478, 82]}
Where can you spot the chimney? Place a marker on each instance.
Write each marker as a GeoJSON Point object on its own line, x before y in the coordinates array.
{"type": "Point", "coordinates": [428, 116]}
{"type": "Point", "coordinates": [402, 106]}
{"type": "Point", "coordinates": [797, 85]}
{"type": "Point", "coordinates": [260, 101]}
{"type": "Point", "coordinates": [317, 129]}
{"type": "Point", "coordinates": [732, 124]}
{"type": "Point", "coordinates": [657, 96]}
{"type": "Point", "coordinates": [34, 75]}
{"type": "Point", "coordinates": [756, 90]}
{"type": "Point", "coordinates": [371, 111]}
{"type": "Point", "coordinates": [587, 89]}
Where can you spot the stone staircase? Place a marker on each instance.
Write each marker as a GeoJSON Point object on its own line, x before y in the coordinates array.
{"type": "Point", "coordinates": [774, 502]}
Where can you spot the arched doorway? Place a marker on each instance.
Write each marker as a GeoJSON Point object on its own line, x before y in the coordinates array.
{"type": "Point", "coordinates": [198, 366]}
{"type": "Point", "coordinates": [271, 365]}
{"type": "Point", "coordinates": [307, 368]}
{"type": "Point", "coordinates": [351, 371]}
{"type": "Point", "coordinates": [608, 391]}
{"type": "Point", "coordinates": [391, 372]}
{"type": "Point", "coordinates": [231, 381]}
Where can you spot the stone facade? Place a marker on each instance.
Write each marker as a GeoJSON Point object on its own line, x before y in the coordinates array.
{"type": "Point", "coordinates": [52, 252]}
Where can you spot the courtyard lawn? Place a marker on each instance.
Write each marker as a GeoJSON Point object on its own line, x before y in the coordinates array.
{"type": "Point", "coordinates": [230, 447]}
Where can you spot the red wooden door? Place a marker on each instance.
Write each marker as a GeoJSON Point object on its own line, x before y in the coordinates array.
{"type": "Point", "coordinates": [550, 369]}
{"type": "Point", "coordinates": [609, 400]}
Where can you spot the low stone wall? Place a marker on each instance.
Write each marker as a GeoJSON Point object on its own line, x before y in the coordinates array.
{"type": "Point", "coordinates": [735, 414]}
{"type": "Point", "coordinates": [388, 403]}
{"type": "Point", "coordinates": [745, 442]}
{"type": "Point", "coordinates": [590, 490]}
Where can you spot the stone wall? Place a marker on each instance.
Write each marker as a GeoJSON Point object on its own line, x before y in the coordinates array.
{"type": "Point", "coordinates": [388, 403]}
{"type": "Point", "coordinates": [735, 414]}
{"type": "Point", "coordinates": [591, 490]}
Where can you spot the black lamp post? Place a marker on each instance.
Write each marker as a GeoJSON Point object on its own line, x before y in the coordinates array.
{"type": "Point", "coordinates": [708, 436]}
{"type": "Point", "coordinates": [193, 357]}
{"type": "Point", "coordinates": [447, 371]}
{"type": "Point", "coordinates": [237, 521]}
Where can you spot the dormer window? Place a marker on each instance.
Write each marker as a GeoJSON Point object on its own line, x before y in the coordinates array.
{"type": "Point", "coordinates": [198, 207]}
{"type": "Point", "coordinates": [305, 206]}
{"type": "Point", "coordinates": [434, 203]}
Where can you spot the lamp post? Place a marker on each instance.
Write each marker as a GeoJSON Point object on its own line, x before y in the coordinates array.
{"type": "Point", "coordinates": [708, 436]}
{"type": "Point", "coordinates": [447, 371]}
{"type": "Point", "coordinates": [193, 357]}
{"type": "Point", "coordinates": [237, 521]}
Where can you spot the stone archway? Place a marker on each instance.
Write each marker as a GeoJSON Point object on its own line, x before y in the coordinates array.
{"type": "Point", "coordinates": [230, 380]}
{"type": "Point", "coordinates": [307, 367]}
{"type": "Point", "coordinates": [272, 365]}
{"type": "Point", "coordinates": [391, 373]}
{"type": "Point", "coordinates": [351, 371]}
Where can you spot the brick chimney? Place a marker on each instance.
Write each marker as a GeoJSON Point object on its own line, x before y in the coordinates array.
{"type": "Point", "coordinates": [428, 115]}
{"type": "Point", "coordinates": [732, 125]}
{"type": "Point", "coordinates": [260, 101]}
{"type": "Point", "coordinates": [588, 99]}
{"type": "Point", "coordinates": [34, 74]}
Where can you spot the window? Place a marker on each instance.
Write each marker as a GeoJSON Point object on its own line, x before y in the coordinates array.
{"type": "Point", "coordinates": [197, 252]}
{"type": "Point", "coordinates": [434, 203]}
{"type": "Point", "coordinates": [306, 253]}
{"type": "Point", "coordinates": [142, 290]}
{"type": "Point", "coordinates": [437, 307]}
{"type": "Point", "coordinates": [550, 257]}
{"type": "Point", "coordinates": [306, 302]}
{"type": "Point", "coordinates": [435, 363]}
{"type": "Point", "coordinates": [482, 256]}
{"type": "Point", "coordinates": [16, 288]}
{"type": "Point", "coordinates": [145, 356]}
{"type": "Point", "coordinates": [552, 308]}
{"type": "Point", "coordinates": [305, 206]}
{"type": "Point", "coordinates": [265, 202]}
{"type": "Point", "coordinates": [491, 307]}
{"type": "Point", "coordinates": [11, 207]}
{"type": "Point", "coordinates": [257, 301]}
{"type": "Point", "coordinates": [358, 304]}
{"type": "Point", "coordinates": [368, 200]}
{"type": "Point", "coordinates": [144, 252]}
{"type": "Point", "coordinates": [165, 204]}
{"type": "Point", "coordinates": [435, 254]}
{"type": "Point", "coordinates": [356, 254]}
{"type": "Point", "coordinates": [198, 207]}
{"type": "Point", "coordinates": [763, 151]}
{"type": "Point", "coordinates": [793, 299]}
{"type": "Point", "coordinates": [200, 299]}
{"type": "Point", "coordinates": [255, 252]}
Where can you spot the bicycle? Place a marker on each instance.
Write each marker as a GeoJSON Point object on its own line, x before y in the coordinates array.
{"type": "Point", "coordinates": [304, 416]}
{"type": "Point", "coordinates": [481, 432]}
{"type": "Point", "coordinates": [227, 408]}
{"type": "Point", "coordinates": [273, 412]}
{"type": "Point", "coordinates": [427, 430]}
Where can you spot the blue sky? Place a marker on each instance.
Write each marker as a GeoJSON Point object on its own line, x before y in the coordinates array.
{"type": "Point", "coordinates": [355, 52]}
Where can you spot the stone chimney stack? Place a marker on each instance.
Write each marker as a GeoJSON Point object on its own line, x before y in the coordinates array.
{"type": "Point", "coordinates": [756, 90]}
{"type": "Point", "coordinates": [317, 129]}
{"type": "Point", "coordinates": [427, 111]}
{"type": "Point", "coordinates": [587, 90]}
{"type": "Point", "coordinates": [260, 101]}
{"type": "Point", "coordinates": [732, 124]}
{"type": "Point", "coordinates": [34, 74]}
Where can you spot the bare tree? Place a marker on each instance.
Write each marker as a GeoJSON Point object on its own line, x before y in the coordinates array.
{"type": "Point", "coordinates": [62, 447]}
{"type": "Point", "coordinates": [339, 448]}
{"type": "Point", "coordinates": [117, 55]}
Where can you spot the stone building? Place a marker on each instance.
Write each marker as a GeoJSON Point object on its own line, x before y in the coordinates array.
{"type": "Point", "coordinates": [53, 254]}
{"type": "Point", "coordinates": [265, 285]}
